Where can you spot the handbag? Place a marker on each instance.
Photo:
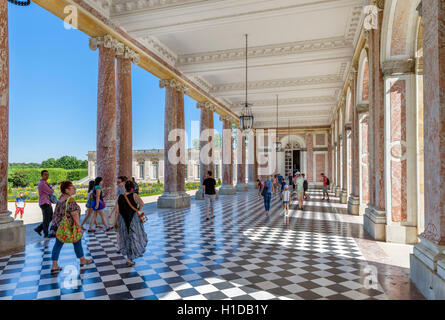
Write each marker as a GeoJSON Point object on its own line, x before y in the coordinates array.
{"type": "Point", "coordinates": [264, 192]}
{"type": "Point", "coordinates": [141, 215]}
{"type": "Point", "coordinates": [52, 198]}
{"type": "Point", "coordinates": [66, 232]}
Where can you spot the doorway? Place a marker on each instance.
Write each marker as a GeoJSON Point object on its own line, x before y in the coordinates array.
{"type": "Point", "coordinates": [296, 161]}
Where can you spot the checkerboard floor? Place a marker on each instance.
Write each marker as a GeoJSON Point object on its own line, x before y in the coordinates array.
{"type": "Point", "coordinates": [241, 254]}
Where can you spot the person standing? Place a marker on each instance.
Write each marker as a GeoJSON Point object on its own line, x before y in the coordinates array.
{"type": "Point", "coordinates": [98, 205]}
{"type": "Point", "coordinates": [20, 204]}
{"type": "Point", "coordinates": [267, 194]}
{"type": "Point", "coordinates": [287, 198]}
{"type": "Point", "coordinates": [325, 185]}
{"type": "Point", "coordinates": [89, 203]}
{"type": "Point", "coordinates": [209, 193]}
{"type": "Point", "coordinates": [132, 238]}
{"type": "Point", "coordinates": [136, 186]}
{"type": "Point", "coordinates": [67, 205]}
{"type": "Point", "coordinates": [45, 205]}
{"type": "Point", "coordinates": [305, 187]}
{"type": "Point", "coordinates": [300, 189]}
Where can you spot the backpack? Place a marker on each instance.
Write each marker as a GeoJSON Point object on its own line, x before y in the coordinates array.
{"type": "Point", "coordinates": [264, 192]}
{"type": "Point", "coordinates": [327, 181]}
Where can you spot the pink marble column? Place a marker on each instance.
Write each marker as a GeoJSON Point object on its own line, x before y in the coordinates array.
{"type": "Point", "coordinates": [241, 162]}
{"type": "Point", "coordinates": [253, 165]}
{"type": "Point", "coordinates": [310, 157]}
{"type": "Point", "coordinates": [364, 160]}
{"type": "Point", "coordinates": [434, 119]}
{"type": "Point", "coordinates": [204, 126]}
{"type": "Point", "coordinates": [211, 126]}
{"type": "Point", "coordinates": [338, 179]}
{"type": "Point", "coordinates": [4, 111]}
{"type": "Point", "coordinates": [355, 148]}
{"type": "Point", "coordinates": [181, 153]}
{"type": "Point", "coordinates": [170, 124]}
{"type": "Point", "coordinates": [227, 158]}
{"type": "Point", "coordinates": [124, 118]}
{"type": "Point", "coordinates": [106, 121]}
{"type": "Point", "coordinates": [329, 173]}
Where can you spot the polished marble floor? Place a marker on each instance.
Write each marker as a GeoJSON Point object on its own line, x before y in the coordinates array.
{"type": "Point", "coordinates": [322, 253]}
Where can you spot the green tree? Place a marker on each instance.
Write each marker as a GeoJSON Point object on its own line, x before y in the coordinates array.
{"type": "Point", "coordinates": [19, 179]}
{"type": "Point", "coordinates": [196, 144]}
{"type": "Point", "coordinates": [50, 163]}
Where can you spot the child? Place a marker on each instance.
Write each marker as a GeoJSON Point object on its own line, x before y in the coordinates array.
{"type": "Point", "coordinates": [19, 206]}
{"type": "Point", "coordinates": [287, 198]}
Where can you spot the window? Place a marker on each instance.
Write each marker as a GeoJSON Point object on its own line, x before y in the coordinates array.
{"type": "Point", "coordinates": [141, 170]}
{"type": "Point", "coordinates": [155, 167]}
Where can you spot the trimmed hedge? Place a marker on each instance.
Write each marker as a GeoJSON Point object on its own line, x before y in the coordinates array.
{"type": "Point", "coordinates": [56, 175]}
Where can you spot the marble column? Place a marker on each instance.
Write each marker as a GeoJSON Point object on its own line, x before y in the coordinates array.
{"type": "Point", "coordinates": [364, 161]}
{"type": "Point", "coordinates": [375, 215]}
{"type": "Point", "coordinates": [227, 160]}
{"type": "Point", "coordinates": [338, 179]}
{"type": "Point", "coordinates": [329, 173]}
{"type": "Point", "coordinates": [354, 197]}
{"type": "Point", "coordinates": [12, 233]}
{"type": "Point", "coordinates": [252, 164]}
{"type": "Point", "coordinates": [241, 161]}
{"type": "Point", "coordinates": [344, 158]}
{"type": "Point", "coordinates": [427, 264]}
{"type": "Point", "coordinates": [205, 144]}
{"type": "Point", "coordinates": [174, 146]}
{"type": "Point", "coordinates": [310, 157]}
{"type": "Point", "coordinates": [106, 122]}
{"type": "Point", "coordinates": [400, 148]}
{"type": "Point", "coordinates": [124, 139]}
{"type": "Point", "coordinates": [211, 127]}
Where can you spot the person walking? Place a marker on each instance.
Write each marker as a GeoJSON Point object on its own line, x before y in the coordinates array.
{"type": "Point", "coordinates": [132, 239]}
{"type": "Point", "coordinates": [45, 204]}
{"type": "Point", "coordinates": [67, 205]}
{"type": "Point", "coordinates": [267, 194]}
{"type": "Point", "coordinates": [20, 204]}
{"type": "Point", "coordinates": [326, 183]}
{"type": "Point", "coordinates": [89, 203]}
{"type": "Point", "coordinates": [98, 205]}
{"type": "Point", "coordinates": [209, 193]}
{"type": "Point", "coordinates": [120, 190]}
{"type": "Point", "coordinates": [287, 199]}
{"type": "Point", "coordinates": [305, 187]}
{"type": "Point", "coordinates": [299, 182]}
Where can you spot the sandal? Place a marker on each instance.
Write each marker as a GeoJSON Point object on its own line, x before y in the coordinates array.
{"type": "Point", "coordinates": [130, 264]}
{"type": "Point", "coordinates": [57, 270]}
{"type": "Point", "coordinates": [89, 261]}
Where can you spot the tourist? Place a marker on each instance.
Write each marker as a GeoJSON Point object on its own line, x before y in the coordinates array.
{"type": "Point", "coordinates": [132, 238]}
{"type": "Point", "coordinates": [136, 186]}
{"type": "Point", "coordinates": [121, 180]}
{"type": "Point", "coordinates": [280, 182]}
{"type": "Point", "coordinates": [45, 191]}
{"type": "Point", "coordinates": [287, 198]}
{"type": "Point", "coordinates": [89, 203]}
{"type": "Point", "coordinates": [98, 205]}
{"type": "Point", "coordinates": [275, 184]}
{"type": "Point", "coordinates": [305, 187]}
{"type": "Point", "coordinates": [20, 206]}
{"type": "Point", "coordinates": [259, 186]}
{"type": "Point", "coordinates": [299, 182]}
{"type": "Point", "coordinates": [326, 183]}
{"type": "Point", "coordinates": [267, 194]}
{"type": "Point", "coordinates": [209, 193]}
{"type": "Point", "coordinates": [73, 214]}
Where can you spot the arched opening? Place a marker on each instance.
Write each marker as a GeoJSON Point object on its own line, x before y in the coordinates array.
{"type": "Point", "coordinates": [294, 155]}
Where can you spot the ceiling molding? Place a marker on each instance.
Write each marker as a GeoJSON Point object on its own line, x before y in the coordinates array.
{"type": "Point", "coordinates": [278, 83]}
{"type": "Point", "coordinates": [280, 49]}
{"type": "Point", "coordinates": [103, 6]}
{"type": "Point", "coordinates": [131, 5]}
{"type": "Point", "coordinates": [293, 101]}
{"type": "Point", "coordinates": [153, 44]}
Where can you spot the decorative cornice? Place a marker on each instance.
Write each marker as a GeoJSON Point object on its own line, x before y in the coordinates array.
{"type": "Point", "coordinates": [279, 83]}
{"type": "Point", "coordinates": [205, 105]}
{"type": "Point", "coordinates": [159, 48]}
{"type": "Point", "coordinates": [119, 48]}
{"type": "Point", "coordinates": [280, 49]}
{"type": "Point", "coordinates": [173, 83]}
{"type": "Point", "coordinates": [147, 4]}
{"type": "Point", "coordinates": [201, 82]}
{"type": "Point", "coordinates": [398, 67]}
{"type": "Point", "coordinates": [227, 118]}
{"type": "Point", "coordinates": [103, 6]}
{"type": "Point", "coordinates": [292, 101]}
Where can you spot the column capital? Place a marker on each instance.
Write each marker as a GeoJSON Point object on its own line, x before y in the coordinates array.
{"type": "Point", "coordinates": [173, 83]}
{"type": "Point", "coordinates": [227, 118]}
{"type": "Point", "coordinates": [120, 49]}
{"type": "Point", "coordinates": [206, 105]}
{"type": "Point", "coordinates": [398, 67]}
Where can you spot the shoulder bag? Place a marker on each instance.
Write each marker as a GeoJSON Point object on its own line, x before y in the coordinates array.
{"type": "Point", "coordinates": [66, 232]}
{"type": "Point", "coordinates": [141, 215]}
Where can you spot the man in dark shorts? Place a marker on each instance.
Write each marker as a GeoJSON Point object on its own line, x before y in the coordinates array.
{"type": "Point", "coordinates": [209, 193]}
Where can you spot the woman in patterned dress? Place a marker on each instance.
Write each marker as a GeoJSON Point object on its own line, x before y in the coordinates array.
{"type": "Point", "coordinates": [132, 236]}
{"type": "Point", "coordinates": [73, 214]}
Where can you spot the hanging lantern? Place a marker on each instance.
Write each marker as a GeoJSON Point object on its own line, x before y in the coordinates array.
{"type": "Point", "coordinates": [246, 118]}
{"type": "Point", "coordinates": [22, 3]}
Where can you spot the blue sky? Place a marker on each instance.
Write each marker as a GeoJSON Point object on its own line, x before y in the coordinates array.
{"type": "Point", "coordinates": [53, 92]}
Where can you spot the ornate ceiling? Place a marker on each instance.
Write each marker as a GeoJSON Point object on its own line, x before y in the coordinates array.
{"type": "Point", "coordinates": [298, 49]}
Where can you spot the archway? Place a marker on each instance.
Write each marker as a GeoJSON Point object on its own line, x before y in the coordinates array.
{"type": "Point", "coordinates": [293, 158]}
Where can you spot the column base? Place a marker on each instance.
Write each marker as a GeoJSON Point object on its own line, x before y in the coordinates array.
{"type": "Point", "coordinates": [374, 222]}
{"type": "Point", "coordinates": [344, 196]}
{"type": "Point", "coordinates": [401, 234]}
{"type": "Point", "coordinates": [199, 195]}
{"type": "Point", "coordinates": [362, 209]}
{"type": "Point", "coordinates": [174, 200]}
{"type": "Point", "coordinates": [252, 186]}
{"type": "Point", "coordinates": [427, 269]}
{"type": "Point", "coordinates": [12, 235]}
{"type": "Point", "coordinates": [241, 187]}
{"type": "Point", "coordinates": [227, 189]}
{"type": "Point", "coordinates": [354, 205]}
